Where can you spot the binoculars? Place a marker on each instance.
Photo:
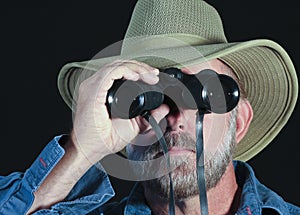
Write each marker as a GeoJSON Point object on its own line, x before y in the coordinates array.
{"type": "Point", "coordinates": [206, 91]}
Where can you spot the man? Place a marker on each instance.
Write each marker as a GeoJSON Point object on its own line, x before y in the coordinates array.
{"type": "Point", "coordinates": [66, 177]}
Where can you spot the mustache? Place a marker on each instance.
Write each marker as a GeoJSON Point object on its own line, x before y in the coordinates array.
{"type": "Point", "coordinates": [180, 140]}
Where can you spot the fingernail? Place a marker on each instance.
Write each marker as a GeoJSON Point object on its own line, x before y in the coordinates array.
{"type": "Point", "coordinates": [155, 71]}
{"type": "Point", "coordinates": [153, 78]}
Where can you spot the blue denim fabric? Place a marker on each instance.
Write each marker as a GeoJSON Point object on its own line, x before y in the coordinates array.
{"type": "Point", "coordinates": [16, 190]}
{"type": "Point", "coordinates": [256, 199]}
{"type": "Point", "coordinates": [93, 190]}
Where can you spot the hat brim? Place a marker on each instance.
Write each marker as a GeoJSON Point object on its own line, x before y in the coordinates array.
{"type": "Point", "coordinates": [263, 66]}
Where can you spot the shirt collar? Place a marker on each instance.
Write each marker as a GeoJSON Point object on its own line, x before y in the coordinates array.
{"type": "Point", "coordinates": [136, 203]}
{"type": "Point", "coordinates": [249, 202]}
{"type": "Point", "coordinates": [254, 196]}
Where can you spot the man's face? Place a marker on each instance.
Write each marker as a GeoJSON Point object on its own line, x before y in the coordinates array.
{"type": "Point", "coordinates": [180, 135]}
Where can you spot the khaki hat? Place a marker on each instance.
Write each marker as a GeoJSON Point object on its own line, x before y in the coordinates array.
{"type": "Point", "coordinates": [166, 33]}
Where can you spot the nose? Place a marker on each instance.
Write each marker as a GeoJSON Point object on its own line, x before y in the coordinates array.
{"type": "Point", "coordinates": [181, 120]}
{"type": "Point", "coordinates": [175, 121]}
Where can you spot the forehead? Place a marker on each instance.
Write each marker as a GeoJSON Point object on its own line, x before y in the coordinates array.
{"type": "Point", "coordinates": [215, 64]}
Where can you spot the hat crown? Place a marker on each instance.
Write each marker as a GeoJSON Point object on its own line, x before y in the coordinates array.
{"type": "Point", "coordinates": [187, 18]}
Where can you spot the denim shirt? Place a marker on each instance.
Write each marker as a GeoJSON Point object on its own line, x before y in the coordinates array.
{"type": "Point", "coordinates": [92, 192]}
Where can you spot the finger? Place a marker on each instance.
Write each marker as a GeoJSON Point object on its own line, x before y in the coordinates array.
{"type": "Point", "coordinates": [146, 73]}
{"type": "Point", "coordinates": [160, 113]}
{"type": "Point", "coordinates": [136, 66]}
{"type": "Point", "coordinates": [149, 78]}
{"type": "Point", "coordinates": [130, 70]}
{"type": "Point", "coordinates": [147, 135]}
{"type": "Point", "coordinates": [146, 66]}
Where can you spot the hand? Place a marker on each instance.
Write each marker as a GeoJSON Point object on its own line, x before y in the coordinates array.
{"type": "Point", "coordinates": [94, 133]}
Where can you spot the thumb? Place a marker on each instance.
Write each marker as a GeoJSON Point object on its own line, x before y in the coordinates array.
{"type": "Point", "coordinates": [148, 136]}
{"type": "Point", "coordinates": [160, 113]}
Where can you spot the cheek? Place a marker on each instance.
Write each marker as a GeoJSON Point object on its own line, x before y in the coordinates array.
{"type": "Point", "coordinates": [214, 130]}
{"type": "Point", "coordinates": [188, 120]}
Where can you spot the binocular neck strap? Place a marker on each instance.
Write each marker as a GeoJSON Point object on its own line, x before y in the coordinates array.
{"type": "Point", "coordinates": [200, 164]}
{"type": "Point", "coordinates": [160, 136]}
{"type": "Point", "coordinates": [199, 161]}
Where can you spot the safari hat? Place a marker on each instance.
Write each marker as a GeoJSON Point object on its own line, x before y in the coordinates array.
{"type": "Point", "coordinates": [176, 33]}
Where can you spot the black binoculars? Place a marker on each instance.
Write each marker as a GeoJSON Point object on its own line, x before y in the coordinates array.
{"type": "Point", "coordinates": [206, 91]}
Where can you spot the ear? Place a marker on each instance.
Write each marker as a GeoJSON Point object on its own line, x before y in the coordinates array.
{"type": "Point", "coordinates": [244, 118]}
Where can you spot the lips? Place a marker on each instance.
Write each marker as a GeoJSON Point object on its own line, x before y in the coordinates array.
{"type": "Point", "coordinates": [176, 151]}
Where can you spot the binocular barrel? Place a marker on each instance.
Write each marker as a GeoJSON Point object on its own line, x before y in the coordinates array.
{"type": "Point", "coordinates": [206, 91]}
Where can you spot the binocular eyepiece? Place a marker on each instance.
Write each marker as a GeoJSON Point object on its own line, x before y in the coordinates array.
{"type": "Point", "coordinates": [206, 91]}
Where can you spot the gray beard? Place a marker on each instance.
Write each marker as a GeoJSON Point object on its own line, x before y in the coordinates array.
{"type": "Point", "coordinates": [184, 175]}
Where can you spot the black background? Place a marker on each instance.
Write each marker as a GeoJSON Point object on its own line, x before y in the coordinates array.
{"type": "Point", "coordinates": [37, 40]}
